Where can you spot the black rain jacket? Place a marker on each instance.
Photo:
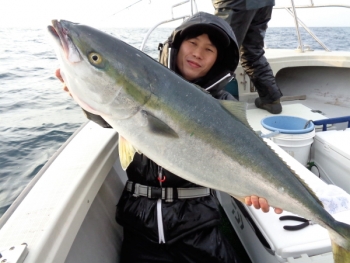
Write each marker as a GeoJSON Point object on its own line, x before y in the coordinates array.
{"type": "Point", "coordinates": [182, 216]}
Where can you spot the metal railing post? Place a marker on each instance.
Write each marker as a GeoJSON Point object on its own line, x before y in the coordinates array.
{"type": "Point", "coordinates": [192, 5]}
{"type": "Point", "coordinates": [297, 27]}
{"type": "Point", "coordinates": [310, 32]}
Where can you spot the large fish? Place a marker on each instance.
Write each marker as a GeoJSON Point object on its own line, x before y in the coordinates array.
{"type": "Point", "coordinates": [182, 128]}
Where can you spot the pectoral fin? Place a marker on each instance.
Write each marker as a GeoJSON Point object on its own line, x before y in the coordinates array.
{"type": "Point", "coordinates": [159, 127]}
{"type": "Point", "coordinates": [126, 152]}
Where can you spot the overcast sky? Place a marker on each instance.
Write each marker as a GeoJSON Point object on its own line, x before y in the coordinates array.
{"type": "Point", "coordinates": [145, 13]}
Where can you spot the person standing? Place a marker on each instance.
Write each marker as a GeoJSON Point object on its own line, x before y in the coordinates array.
{"type": "Point", "coordinates": [248, 20]}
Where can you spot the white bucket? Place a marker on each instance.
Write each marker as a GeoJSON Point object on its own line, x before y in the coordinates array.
{"type": "Point", "coordinates": [295, 143]}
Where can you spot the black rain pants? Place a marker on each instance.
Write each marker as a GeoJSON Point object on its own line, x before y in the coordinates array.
{"type": "Point", "coordinates": [250, 27]}
{"type": "Point", "coordinates": [206, 245]}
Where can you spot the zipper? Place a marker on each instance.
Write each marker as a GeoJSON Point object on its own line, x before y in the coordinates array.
{"type": "Point", "coordinates": [159, 210]}
{"type": "Point", "coordinates": [228, 75]}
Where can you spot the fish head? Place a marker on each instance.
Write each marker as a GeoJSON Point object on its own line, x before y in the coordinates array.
{"type": "Point", "coordinates": [93, 66]}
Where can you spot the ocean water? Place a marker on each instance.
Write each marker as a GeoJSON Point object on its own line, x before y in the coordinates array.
{"type": "Point", "coordinates": [37, 117]}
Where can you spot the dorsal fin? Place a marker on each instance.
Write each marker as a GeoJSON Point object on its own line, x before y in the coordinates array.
{"type": "Point", "coordinates": [202, 89]}
{"type": "Point", "coordinates": [293, 172]}
{"type": "Point", "coordinates": [237, 109]}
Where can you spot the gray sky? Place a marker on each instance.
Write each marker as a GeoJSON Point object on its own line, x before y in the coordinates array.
{"type": "Point", "coordinates": [146, 13]}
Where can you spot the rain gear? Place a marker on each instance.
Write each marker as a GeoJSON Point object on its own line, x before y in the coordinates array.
{"type": "Point", "coordinates": [243, 4]}
{"type": "Point", "coordinates": [188, 228]}
{"type": "Point", "coordinates": [248, 20]}
{"type": "Point", "coordinates": [228, 56]}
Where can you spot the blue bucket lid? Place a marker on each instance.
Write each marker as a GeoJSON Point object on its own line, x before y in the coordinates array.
{"type": "Point", "coordinates": [287, 124]}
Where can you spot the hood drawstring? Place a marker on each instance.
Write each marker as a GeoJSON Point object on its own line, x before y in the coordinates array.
{"type": "Point", "coordinates": [161, 237]}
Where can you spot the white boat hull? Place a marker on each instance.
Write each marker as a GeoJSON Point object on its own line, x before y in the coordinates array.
{"type": "Point", "coordinates": [66, 214]}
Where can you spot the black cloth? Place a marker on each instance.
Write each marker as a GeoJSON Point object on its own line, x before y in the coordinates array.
{"type": "Point", "coordinates": [203, 246]}
{"type": "Point", "coordinates": [180, 217]}
{"type": "Point", "coordinates": [190, 225]}
{"type": "Point", "coordinates": [249, 26]}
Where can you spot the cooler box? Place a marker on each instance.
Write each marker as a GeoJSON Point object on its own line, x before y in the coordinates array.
{"type": "Point", "coordinates": [331, 154]}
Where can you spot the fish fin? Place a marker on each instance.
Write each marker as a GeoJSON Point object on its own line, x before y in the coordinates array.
{"type": "Point", "coordinates": [293, 171]}
{"type": "Point", "coordinates": [241, 199]}
{"type": "Point", "coordinates": [157, 126]}
{"type": "Point", "coordinates": [340, 254]}
{"type": "Point", "coordinates": [307, 187]}
{"type": "Point", "coordinates": [202, 89]}
{"type": "Point", "coordinates": [237, 109]}
{"type": "Point", "coordinates": [97, 119]}
{"type": "Point", "coordinates": [126, 152]}
{"type": "Point", "coordinates": [259, 133]}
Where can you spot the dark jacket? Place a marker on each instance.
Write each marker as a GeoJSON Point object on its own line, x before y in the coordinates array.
{"type": "Point", "coordinates": [242, 4]}
{"type": "Point", "coordinates": [228, 57]}
{"type": "Point", "coordinates": [182, 216]}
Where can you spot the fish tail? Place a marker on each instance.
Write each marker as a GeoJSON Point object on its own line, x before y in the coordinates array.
{"type": "Point", "coordinates": [341, 242]}
{"type": "Point", "coordinates": [340, 254]}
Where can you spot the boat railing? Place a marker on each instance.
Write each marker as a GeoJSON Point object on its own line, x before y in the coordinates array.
{"type": "Point", "coordinates": [325, 122]}
{"type": "Point", "coordinates": [291, 9]}
{"type": "Point", "coordinates": [193, 10]}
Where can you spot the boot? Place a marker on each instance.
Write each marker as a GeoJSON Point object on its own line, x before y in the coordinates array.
{"type": "Point", "coordinates": [273, 107]}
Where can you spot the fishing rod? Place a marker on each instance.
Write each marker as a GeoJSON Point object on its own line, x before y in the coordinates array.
{"type": "Point", "coordinates": [128, 7]}
{"type": "Point", "coordinates": [119, 11]}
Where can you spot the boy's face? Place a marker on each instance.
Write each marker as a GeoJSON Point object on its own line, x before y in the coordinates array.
{"type": "Point", "coordinates": [196, 57]}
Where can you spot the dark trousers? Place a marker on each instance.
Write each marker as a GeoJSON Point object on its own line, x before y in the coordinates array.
{"type": "Point", "coordinates": [250, 27]}
{"type": "Point", "coordinates": [207, 245]}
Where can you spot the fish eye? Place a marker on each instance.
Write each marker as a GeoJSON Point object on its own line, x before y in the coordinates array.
{"type": "Point", "coordinates": [95, 58]}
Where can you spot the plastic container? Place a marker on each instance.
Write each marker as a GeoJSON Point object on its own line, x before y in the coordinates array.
{"type": "Point", "coordinates": [293, 136]}
{"type": "Point", "coordinates": [331, 155]}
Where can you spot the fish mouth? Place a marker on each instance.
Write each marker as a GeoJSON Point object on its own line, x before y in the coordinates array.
{"type": "Point", "coordinates": [60, 34]}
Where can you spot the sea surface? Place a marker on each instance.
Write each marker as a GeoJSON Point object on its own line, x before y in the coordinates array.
{"type": "Point", "coordinates": [37, 116]}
